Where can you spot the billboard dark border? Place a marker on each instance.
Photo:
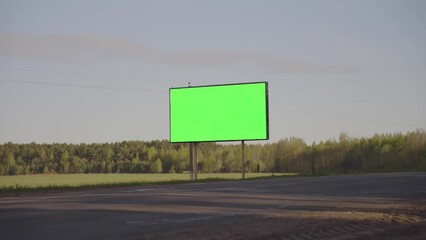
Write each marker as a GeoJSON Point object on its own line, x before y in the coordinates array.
{"type": "Point", "coordinates": [227, 84]}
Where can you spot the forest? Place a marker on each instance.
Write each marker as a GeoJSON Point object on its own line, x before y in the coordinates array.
{"type": "Point", "coordinates": [379, 153]}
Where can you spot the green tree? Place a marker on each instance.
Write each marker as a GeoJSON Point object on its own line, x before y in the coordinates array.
{"type": "Point", "coordinates": [64, 165]}
{"type": "Point", "coordinates": [172, 169]}
{"type": "Point", "coordinates": [10, 163]}
{"type": "Point", "coordinates": [156, 166]}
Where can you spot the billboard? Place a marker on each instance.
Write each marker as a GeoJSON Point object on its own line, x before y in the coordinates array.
{"type": "Point", "coordinates": [229, 112]}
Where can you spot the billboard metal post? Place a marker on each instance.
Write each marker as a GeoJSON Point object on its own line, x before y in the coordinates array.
{"type": "Point", "coordinates": [195, 160]}
{"type": "Point", "coordinates": [191, 155]}
{"type": "Point", "coordinates": [191, 161]}
{"type": "Point", "coordinates": [244, 160]}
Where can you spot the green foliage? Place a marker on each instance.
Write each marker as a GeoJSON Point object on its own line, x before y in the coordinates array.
{"type": "Point", "coordinates": [172, 169]}
{"type": "Point", "coordinates": [156, 166]}
{"type": "Point", "coordinates": [380, 153]}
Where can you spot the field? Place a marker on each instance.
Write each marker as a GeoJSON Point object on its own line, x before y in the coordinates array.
{"type": "Point", "coordinates": [81, 180]}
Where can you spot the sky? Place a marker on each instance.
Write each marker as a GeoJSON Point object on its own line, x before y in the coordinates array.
{"type": "Point", "coordinates": [99, 71]}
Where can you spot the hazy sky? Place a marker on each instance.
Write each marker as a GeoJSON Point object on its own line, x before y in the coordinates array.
{"type": "Point", "coordinates": [99, 71]}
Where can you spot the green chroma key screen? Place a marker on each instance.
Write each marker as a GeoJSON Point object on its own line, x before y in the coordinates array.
{"type": "Point", "coordinates": [230, 112]}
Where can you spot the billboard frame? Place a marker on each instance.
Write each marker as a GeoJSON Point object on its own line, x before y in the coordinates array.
{"type": "Point", "coordinates": [219, 85]}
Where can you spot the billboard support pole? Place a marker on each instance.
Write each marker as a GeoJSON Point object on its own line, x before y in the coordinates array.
{"type": "Point", "coordinates": [191, 162]}
{"type": "Point", "coordinates": [195, 168]}
{"type": "Point", "coordinates": [244, 160]}
{"type": "Point", "coordinates": [192, 157]}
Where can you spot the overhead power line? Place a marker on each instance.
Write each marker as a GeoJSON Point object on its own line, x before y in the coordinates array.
{"type": "Point", "coordinates": [70, 85]}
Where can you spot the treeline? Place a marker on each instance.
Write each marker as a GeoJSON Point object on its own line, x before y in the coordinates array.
{"type": "Point", "coordinates": [386, 152]}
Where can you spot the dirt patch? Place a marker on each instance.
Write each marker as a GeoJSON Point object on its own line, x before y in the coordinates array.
{"type": "Point", "coordinates": [402, 221]}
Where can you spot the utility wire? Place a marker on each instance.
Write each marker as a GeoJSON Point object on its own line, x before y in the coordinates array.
{"type": "Point", "coordinates": [82, 86]}
{"type": "Point", "coordinates": [55, 73]}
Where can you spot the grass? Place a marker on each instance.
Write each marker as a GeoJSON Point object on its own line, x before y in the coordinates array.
{"type": "Point", "coordinates": [42, 182]}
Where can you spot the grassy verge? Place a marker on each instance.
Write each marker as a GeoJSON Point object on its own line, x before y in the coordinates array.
{"type": "Point", "coordinates": [59, 182]}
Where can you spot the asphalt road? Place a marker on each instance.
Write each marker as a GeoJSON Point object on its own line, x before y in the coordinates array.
{"type": "Point", "coordinates": [356, 206]}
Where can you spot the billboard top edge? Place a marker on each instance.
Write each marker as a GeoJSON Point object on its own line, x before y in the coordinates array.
{"type": "Point", "coordinates": [218, 85]}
